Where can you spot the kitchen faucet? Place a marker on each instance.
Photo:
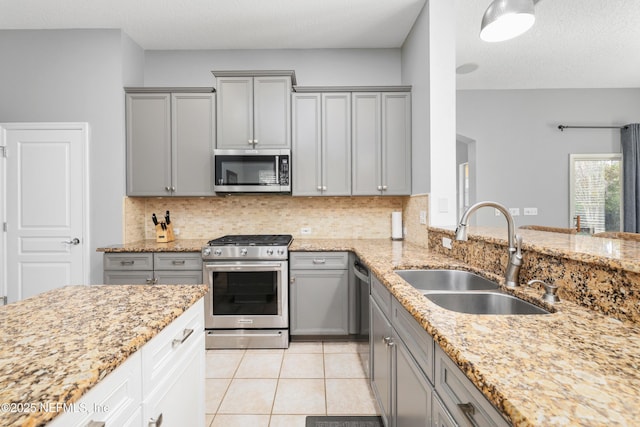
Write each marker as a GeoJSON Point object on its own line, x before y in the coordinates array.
{"type": "Point", "coordinates": [515, 241]}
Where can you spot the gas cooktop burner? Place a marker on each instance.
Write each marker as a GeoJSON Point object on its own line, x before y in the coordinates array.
{"type": "Point", "coordinates": [252, 240]}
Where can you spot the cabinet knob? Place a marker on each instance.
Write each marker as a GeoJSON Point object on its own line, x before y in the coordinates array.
{"type": "Point", "coordinates": [250, 141]}
{"type": "Point", "coordinates": [379, 187]}
{"type": "Point", "coordinates": [167, 188]}
{"type": "Point", "coordinates": [384, 188]}
{"type": "Point", "coordinates": [319, 188]}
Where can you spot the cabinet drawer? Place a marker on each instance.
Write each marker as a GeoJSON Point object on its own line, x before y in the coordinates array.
{"type": "Point", "coordinates": [381, 295]}
{"type": "Point", "coordinates": [160, 356]}
{"type": "Point", "coordinates": [417, 340]}
{"type": "Point", "coordinates": [458, 392]}
{"type": "Point", "coordinates": [116, 277]}
{"type": "Point", "coordinates": [128, 261]}
{"type": "Point", "coordinates": [177, 261]}
{"type": "Point", "coordinates": [319, 260]}
{"type": "Point", "coordinates": [180, 277]}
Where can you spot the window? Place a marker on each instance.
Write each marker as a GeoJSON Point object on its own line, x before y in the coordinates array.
{"type": "Point", "coordinates": [595, 192]}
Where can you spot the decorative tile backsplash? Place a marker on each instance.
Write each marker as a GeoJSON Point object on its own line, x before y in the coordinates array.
{"type": "Point", "coordinates": [326, 217]}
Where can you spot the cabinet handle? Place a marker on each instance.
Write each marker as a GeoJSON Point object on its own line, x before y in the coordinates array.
{"type": "Point", "coordinates": [129, 262]}
{"type": "Point", "coordinates": [178, 262]}
{"type": "Point", "coordinates": [176, 342]}
{"type": "Point", "coordinates": [292, 280]}
{"type": "Point", "coordinates": [157, 422]}
{"type": "Point", "coordinates": [319, 261]}
{"type": "Point", "coordinates": [388, 341]}
{"type": "Point", "coordinates": [468, 410]}
{"type": "Point", "coordinates": [96, 424]}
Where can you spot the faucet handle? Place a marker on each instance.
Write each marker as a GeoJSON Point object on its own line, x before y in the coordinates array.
{"type": "Point", "coordinates": [518, 246]}
{"type": "Point", "coordinates": [550, 291]}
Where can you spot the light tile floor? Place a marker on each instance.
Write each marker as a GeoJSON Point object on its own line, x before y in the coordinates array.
{"type": "Point", "coordinates": [279, 388]}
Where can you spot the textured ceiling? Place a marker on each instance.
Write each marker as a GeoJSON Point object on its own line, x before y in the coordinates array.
{"type": "Point", "coordinates": [574, 43]}
{"type": "Point", "coordinates": [227, 24]}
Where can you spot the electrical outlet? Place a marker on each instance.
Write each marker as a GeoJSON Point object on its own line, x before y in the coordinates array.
{"type": "Point", "coordinates": [176, 231]}
{"type": "Point", "coordinates": [446, 242]}
{"type": "Point", "coordinates": [530, 211]}
{"type": "Point", "coordinates": [514, 211]}
{"type": "Point", "coordinates": [305, 231]}
{"type": "Point", "coordinates": [423, 217]}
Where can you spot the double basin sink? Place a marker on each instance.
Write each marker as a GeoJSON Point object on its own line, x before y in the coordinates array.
{"type": "Point", "coordinates": [466, 292]}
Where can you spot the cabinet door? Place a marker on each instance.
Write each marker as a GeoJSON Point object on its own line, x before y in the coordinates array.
{"type": "Point", "coordinates": [396, 143]}
{"type": "Point", "coordinates": [413, 392]}
{"type": "Point", "coordinates": [272, 112]}
{"type": "Point", "coordinates": [381, 360]}
{"type": "Point", "coordinates": [319, 302]}
{"type": "Point", "coordinates": [179, 399]}
{"type": "Point", "coordinates": [306, 151]}
{"type": "Point", "coordinates": [148, 144]}
{"type": "Point", "coordinates": [440, 416]}
{"type": "Point", "coordinates": [192, 131]}
{"type": "Point", "coordinates": [336, 144]}
{"type": "Point", "coordinates": [365, 140]}
{"type": "Point", "coordinates": [234, 112]}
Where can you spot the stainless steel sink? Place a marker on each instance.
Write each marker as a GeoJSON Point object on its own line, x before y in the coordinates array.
{"type": "Point", "coordinates": [483, 303]}
{"type": "Point", "coordinates": [446, 280]}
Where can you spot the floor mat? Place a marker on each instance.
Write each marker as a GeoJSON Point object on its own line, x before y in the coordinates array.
{"type": "Point", "coordinates": [338, 421]}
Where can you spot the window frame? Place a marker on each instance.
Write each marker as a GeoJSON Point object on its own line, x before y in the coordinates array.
{"type": "Point", "coordinates": [592, 156]}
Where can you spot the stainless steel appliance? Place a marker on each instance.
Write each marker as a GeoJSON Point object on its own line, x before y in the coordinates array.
{"type": "Point", "coordinates": [363, 281]}
{"type": "Point", "coordinates": [247, 305]}
{"type": "Point", "coordinates": [252, 171]}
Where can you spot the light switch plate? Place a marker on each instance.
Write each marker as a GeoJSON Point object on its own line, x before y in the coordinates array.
{"type": "Point", "coordinates": [446, 242]}
{"type": "Point", "coordinates": [514, 211]}
{"type": "Point", "coordinates": [530, 211]}
{"type": "Point", "coordinates": [423, 217]}
{"type": "Point", "coordinates": [305, 231]}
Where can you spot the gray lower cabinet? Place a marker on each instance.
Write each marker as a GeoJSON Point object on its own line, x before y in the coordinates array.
{"type": "Point", "coordinates": [253, 111]}
{"type": "Point", "coordinates": [381, 143]}
{"type": "Point", "coordinates": [170, 139]}
{"type": "Point", "coordinates": [163, 268]}
{"type": "Point", "coordinates": [321, 127]}
{"type": "Point", "coordinates": [415, 383]}
{"type": "Point", "coordinates": [319, 293]}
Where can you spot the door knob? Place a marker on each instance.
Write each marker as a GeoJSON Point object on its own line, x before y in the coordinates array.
{"type": "Point", "coordinates": [74, 241]}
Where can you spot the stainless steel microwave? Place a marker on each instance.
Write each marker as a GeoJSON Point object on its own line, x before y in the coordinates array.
{"type": "Point", "coordinates": [252, 171]}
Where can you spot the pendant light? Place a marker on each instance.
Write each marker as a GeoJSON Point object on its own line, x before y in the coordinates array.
{"type": "Point", "coordinates": [506, 19]}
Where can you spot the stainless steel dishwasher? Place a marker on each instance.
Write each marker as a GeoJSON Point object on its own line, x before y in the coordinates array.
{"type": "Point", "coordinates": [363, 282]}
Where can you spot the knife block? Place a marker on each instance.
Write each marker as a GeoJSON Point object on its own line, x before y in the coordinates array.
{"type": "Point", "coordinates": [164, 236]}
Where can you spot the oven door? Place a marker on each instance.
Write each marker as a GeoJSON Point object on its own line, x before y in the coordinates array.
{"type": "Point", "coordinates": [246, 295]}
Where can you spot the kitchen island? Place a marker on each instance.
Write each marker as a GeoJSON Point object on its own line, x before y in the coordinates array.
{"type": "Point", "coordinates": [573, 367]}
{"type": "Point", "coordinates": [56, 346]}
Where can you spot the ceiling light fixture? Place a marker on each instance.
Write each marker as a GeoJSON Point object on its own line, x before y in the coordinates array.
{"type": "Point", "coordinates": [506, 19]}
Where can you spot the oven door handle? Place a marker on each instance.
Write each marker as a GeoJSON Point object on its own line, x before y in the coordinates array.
{"type": "Point", "coordinates": [267, 266]}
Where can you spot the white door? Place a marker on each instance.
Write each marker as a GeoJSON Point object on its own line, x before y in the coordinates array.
{"type": "Point", "coordinates": [46, 206]}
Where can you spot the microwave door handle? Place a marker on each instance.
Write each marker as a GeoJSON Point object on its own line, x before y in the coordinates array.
{"type": "Point", "coordinates": [277, 170]}
{"type": "Point", "coordinates": [244, 267]}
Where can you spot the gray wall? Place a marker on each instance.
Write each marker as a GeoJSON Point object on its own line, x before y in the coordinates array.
{"type": "Point", "coordinates": [76, 76]}
{"type": "Point", "coordinates": [522, 158]}
{"type": "Point", "coordinates": [415, 72]}
{"type": "Point", "coordinates": [313, 67]}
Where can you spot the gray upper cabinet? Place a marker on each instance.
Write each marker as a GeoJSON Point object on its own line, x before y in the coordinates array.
{"type": "Point", "coordinates": [381, 143]}
{"type": "Point", "coordinates": [170, 138]}
{"type": "Point", "coordinates": [321, 144]}
{"type": "Point", "coordinates": [253, 112]}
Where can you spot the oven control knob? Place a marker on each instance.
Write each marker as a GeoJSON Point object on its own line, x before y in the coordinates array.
{"type": "Point", "coordinates": [206, 252]}
{"type": "Point", "coordinates": [217, 252]}
{"type": "Point", "coordinates": [280, 251]}
{"type": "Point", "coordinates": [269, 251]}
{"type": "Point", "coordinates": [243, 252]}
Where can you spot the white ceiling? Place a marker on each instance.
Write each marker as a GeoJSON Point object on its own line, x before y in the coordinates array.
{"type": "Point", "coordinates": [574, 43]}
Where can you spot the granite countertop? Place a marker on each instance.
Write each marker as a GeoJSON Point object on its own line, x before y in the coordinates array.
{"type": "Point", "coordinates": [573, 367]}
{"type": "Point", "coordinates": [57, 345]}
{"type": "Point", "coordinates": [186, 245]}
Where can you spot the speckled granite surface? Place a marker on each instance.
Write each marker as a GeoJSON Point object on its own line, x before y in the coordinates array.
{"type": "Point", "coordinates": [55, 346]}
{"type": "Point", "coordinates": [574, 367]}
{"type": "Point", "coordinates": [184, 245]}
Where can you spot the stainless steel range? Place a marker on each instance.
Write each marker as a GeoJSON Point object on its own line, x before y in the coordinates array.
{"type": "Point", "coordinates": [248, 302]}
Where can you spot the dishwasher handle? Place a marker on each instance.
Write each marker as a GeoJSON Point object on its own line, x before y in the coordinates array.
{"type": "Point", "coordinates": [361, 271]}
